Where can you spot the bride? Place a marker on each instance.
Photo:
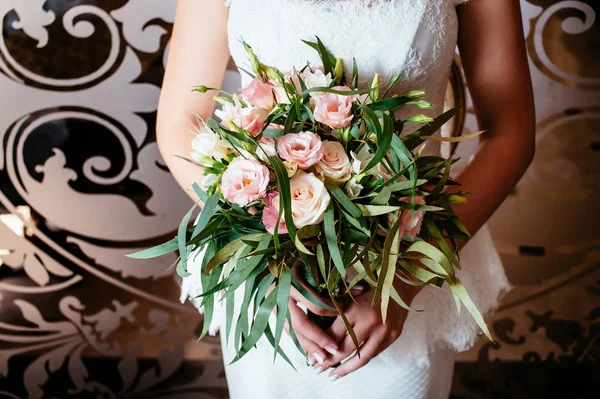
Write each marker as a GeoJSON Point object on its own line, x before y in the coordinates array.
{"type": "Point", "coordinates": [412, 355]}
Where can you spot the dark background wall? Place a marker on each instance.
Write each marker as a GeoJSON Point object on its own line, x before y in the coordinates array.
{"type": "Point", "coordinates": [82, 184]}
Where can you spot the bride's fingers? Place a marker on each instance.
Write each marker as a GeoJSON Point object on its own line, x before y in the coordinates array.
{"type": "Point", "coordinates": [296, 295]}
{"type": "Point", "coordinates": [346, 348]}
{"type": "Point", "coordinates": [315, 354]}
{"type": "Point", "coordinates": [367, 352]}
{"type": "Point", "coordinates": [337, 330]}
{"type": "Point", "coordinates": [301, 324]}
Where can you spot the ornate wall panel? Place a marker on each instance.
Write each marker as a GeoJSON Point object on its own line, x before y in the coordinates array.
{"type": "Point", "coordinates": [82, 184]}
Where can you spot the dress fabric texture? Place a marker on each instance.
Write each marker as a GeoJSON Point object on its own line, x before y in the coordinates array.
{"type": "Point", "coordinates": [385, 36]}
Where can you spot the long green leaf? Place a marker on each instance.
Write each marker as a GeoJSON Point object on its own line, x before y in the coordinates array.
{"type": "Point", "coordinates": [156, 251]}
{"type": "Point", "coordinates": [229, 250]}
{"type": "Point", "coordinates": [376, 210]}
{"type": "Point", "coordinates": [345, 202]}
{"type": "Point", "coordinates": [208, 211]}
{"type": "Point", "coordinates": [283, 295]}
{"type": "Point", "coordinates": [459, 290]}
{"type": "Point", "coordinates": [332, 239]}
{"type": "Point", "coordinates": [181, 240]}
{"type": "Point", "coordinates": [388, 269]}
{"type": "Point", "coordinates": [307, 294]}
{"type": "Point", "coordinates": [260, 324]}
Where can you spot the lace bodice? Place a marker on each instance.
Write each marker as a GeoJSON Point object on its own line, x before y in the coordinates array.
{"type": "Point", "coordinates": [417, 37]}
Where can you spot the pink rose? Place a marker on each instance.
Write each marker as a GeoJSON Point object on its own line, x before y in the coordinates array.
{"type": "Point", "coordinates": [334, 110]}
{"type": "Point", "coordinates": [271, 213]}
{"type": "Point", "coordinates": [247, 118]}
{"type": "Point", "coordinates": [304, 148]}
{"type": "Point", "coordinates": [259, 94]}
{"type": "Point", "coordinates": [410, 221]}
{"type": "Point", "coordinates": [244, 181]}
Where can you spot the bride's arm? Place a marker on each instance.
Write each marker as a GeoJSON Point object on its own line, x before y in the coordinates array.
{"type": "Point", "coordinates": [198, 55]}
{"type": "Point", "coordinates": [495, 62]}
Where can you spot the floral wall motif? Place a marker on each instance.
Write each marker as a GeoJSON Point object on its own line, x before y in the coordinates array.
{"type": "Point", "coordinates": [82, 184]}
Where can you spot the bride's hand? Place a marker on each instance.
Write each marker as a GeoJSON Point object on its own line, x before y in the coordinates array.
{"type": "Point", "coordinates": [373, 336]}
{"type": "Point", "coordinates": [316, 342]}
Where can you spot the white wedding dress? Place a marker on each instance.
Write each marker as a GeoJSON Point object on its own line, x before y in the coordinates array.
{"type": "Point", "coordinates": [385, 36]}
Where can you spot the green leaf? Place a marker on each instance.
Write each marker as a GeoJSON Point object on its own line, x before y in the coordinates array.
{"type": "Point", "coordinates": [453, 139]}
{"type": "Point", "coordinates": [199, 192]}
{"type": "Point", "coordinates": [271, 339]}
{"type": "Point", "coordinates": [208, 211]}
{"type": "Point", "coordinates": [283, 295]}
{"type": "Point", "coordinates": [229, 310]}
{"type": "Point", "coordinates": [431, 128]}
{"type": "Point", "coordinates": [424, 275]}
{"type": "Point", "coordinates": [181, 240]}
{"type": "Point", "coordinates": [434, 254]}
{"type": "Point", "coordinates": [229, 250]}
{"type": "Point", "coordinates": [389, 103]}
{"type": "Point", "coordinates": [301, 247]}
{"type": "Point", "coordinates": [273, 133]}
{"type": "Point", "coordinates": [260, 324]}
{"type": "Point", "coordinates": [388, 269]}
{"type": "Point", "coordinates": [307, 294]}
{"type": "Point", "coordinates": [346, 324]}
{"type": "Point", "coordinates": [376, 210]}
{"type": "Point", "coordinates": [393, 83]}
{"type": "Point", "coordinates": [156, 251]}
{"type": "Point", "coordinates": [404, 185]}
{"type": "Point", "coordinates": [332, 240]}
{"type": "Point", "coordinates": [383, 197]}
{"type": "Point", "coordinates": [294, 337]}
{"type": "Point", "coordinates": [459, 290]}
{"type": "Point", "coordinates": [345, 202]}
{"type": "Point", "coordinates": [354, 73]}
{"type": "Point", "coordinates": [321, 261]}
{"type": "Point", "coordinates": [321, 89]}
{"type": "Point", "coordinates": [405, 156]}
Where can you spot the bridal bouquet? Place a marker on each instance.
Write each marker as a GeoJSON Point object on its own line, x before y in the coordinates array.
{"type": "Point", "coordinates": [305, 167]}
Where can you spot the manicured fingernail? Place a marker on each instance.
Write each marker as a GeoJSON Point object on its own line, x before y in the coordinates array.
{"type": "Point", "coordinates": [311, 360]}
{"type": "Point", "coordinates": [319, 370]}
{"type": "Point", "coordinates": [331, 349]}
{"type": "Point", "coordinates": [333, 377]}
{"type": "Point", "coordinates": [318, 357]}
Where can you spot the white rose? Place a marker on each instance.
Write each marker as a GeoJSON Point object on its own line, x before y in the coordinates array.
{"type": "Point", "coordinates": [335, 165]}
{"type": "Point", "coordinates": [309, 199]}
{"type": "Point", "coordinates": [352, 188]}
{"type": "Point", "coordinates": [208, 144]}
{"type": "Point", "coordinates": [208, 181]}
{"type": "Point", "coordinates": [317, 79]}
{"type": "Point", "coordinates": [268, 150]}
{"type": "Point", "coordinates": [361, 159]}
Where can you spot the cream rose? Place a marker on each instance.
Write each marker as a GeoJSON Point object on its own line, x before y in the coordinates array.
{"type": "Point", "coordinates": [335, 165]}
{"type": "Point", "coordinates": [309, 199]}
{"type": "Point", "coordinates": [208, 144]}
{"type": "Point", "coordinates": [316, 78]}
